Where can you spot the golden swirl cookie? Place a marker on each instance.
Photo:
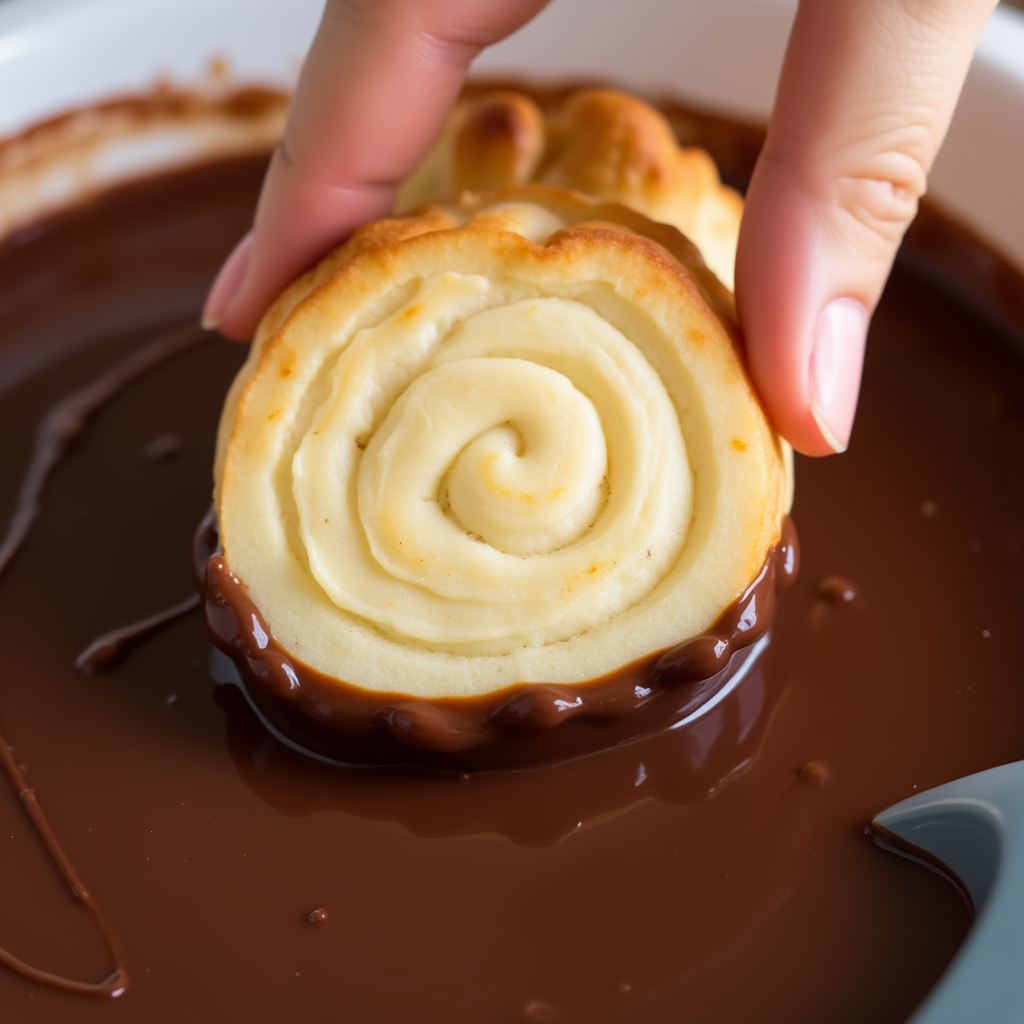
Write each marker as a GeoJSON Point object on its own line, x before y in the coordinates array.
{"type": "Point", "coordinates": [510, 440]}
{"type": "Point", "coordinates": [604, 143]}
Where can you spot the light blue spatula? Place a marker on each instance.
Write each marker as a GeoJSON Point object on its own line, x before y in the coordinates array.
{"type": "Point", "coordinates": [975, 826]}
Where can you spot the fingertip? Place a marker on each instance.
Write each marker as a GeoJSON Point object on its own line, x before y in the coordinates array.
{"type": "Point", "coordinates": [809, 380]}
{"type": "Point", "coordinates": [837, 357]}
{"type": "Point", "coordinates": [226, 287]}
{"type": "Point", "coordinates": [810, 388]}
{"type": "Point", "coordinates": [864, 99]}
{"type": "Point", "coordinates": [804, 329]}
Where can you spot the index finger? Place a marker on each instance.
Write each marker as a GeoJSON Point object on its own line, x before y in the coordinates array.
{"type": "Point", "coordinates": [374, 91]}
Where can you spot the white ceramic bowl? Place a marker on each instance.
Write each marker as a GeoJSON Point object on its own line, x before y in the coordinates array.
{"type": "Point", "coordinates": [721, 55]}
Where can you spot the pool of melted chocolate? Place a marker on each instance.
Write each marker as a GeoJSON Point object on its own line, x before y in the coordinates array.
{"type": "Point", "coordinates": [718, 872]}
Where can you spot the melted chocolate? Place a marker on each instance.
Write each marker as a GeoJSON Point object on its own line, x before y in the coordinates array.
{"type": "Point", "coordinates": [108, 651]}
{"type": "Point", "coordinates": [63, 424]}
{"type": "Point", "coordinates": [886, 840]}
{"type": "Point", "coordinates": [837, 590]}
{"type": "Point", "coordinates": [61, 428]}
{"type": "Point", "coordinates": [348, 724]}
{"type": "Point", "coordinates": [715, 748]}
{"type": "Point", "coordinates": [114, 985]}
{"type": "Point", "coordinates": [720, 867]}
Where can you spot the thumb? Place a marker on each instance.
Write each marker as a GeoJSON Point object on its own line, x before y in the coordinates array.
{"type": "Point", "coordinates": [866, 95]}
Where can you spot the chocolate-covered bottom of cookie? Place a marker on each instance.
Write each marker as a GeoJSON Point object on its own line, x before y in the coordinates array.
{"type": "Point", "coordinates": [346, 724]}
{"type": "Point", "coordinates": [719, 871]}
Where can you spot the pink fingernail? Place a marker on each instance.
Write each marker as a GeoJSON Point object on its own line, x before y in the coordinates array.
{"type": "Point", "coordinates": [836, 362]}
{"type": "Point", "coordinates": [226, 285]}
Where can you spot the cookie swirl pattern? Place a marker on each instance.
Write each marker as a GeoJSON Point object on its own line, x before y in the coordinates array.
{"type": "Point", "coordinates": [505, 441]}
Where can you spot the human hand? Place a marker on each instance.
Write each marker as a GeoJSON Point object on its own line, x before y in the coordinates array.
{"type": "Point", "coordinates": [374, 91]}
{"type": "Point", "coordinates": [867, 92]}
{"type": "Point", "coordinates": [866, 95]}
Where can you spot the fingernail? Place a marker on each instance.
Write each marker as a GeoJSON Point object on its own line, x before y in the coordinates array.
{"type": "Point", "coordinates": [836, 361]}
{"type": "Point", "coordinates": [226, 285]}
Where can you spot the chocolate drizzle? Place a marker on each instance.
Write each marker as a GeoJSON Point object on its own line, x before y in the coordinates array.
{"type": "Point", "coordinates": [64, 424]}
{"type": "Point", "coordinates": [347, 723]}
{"type": "Point", "coordinates": [106, 652]}
{"type": "Point", "coordinates": [57, 435]}
{"type": "Point", "coordinates": [114, 985]}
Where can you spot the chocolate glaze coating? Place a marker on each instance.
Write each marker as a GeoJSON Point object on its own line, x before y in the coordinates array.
{"type": "Point", "coordinates": [348, 724]}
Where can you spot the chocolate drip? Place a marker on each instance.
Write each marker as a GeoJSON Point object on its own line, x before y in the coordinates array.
{"type": "Point", "coordinates": [58, 433]}
{"type": "Point", "coordinates": [740, 625]}
{"type": "Point", "coordinates": [109, 650]}
{"type": "Point", "coordinates": [886, 840]}
{"type": "Point", "coordinates": [114, 985]}
{"type": "Point", "coordinates": [345, 722]}
{"type": "Point", "coordinates": [64, 424]}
